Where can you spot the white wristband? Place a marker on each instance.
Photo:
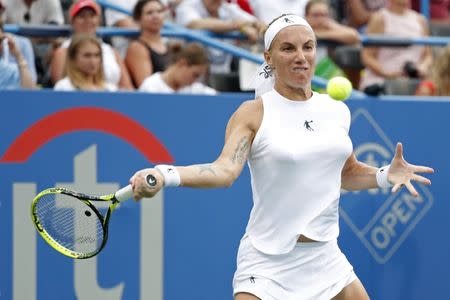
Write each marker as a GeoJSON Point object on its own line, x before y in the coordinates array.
{"type": "Point", "coordinates": [382, 177]}
{"type": "Point", "coordinates": [170, 174]}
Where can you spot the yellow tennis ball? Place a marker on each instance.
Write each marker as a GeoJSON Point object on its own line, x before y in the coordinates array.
{"type": "Point", "coordinates": [339, 88]}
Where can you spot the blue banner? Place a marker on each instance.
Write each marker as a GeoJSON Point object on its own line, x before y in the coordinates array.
{"type": "Point", "coordinates": [183, 243]}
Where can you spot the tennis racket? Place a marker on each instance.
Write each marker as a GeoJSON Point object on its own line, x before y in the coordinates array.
{"type": "Point", "coordinates": [70, 222]}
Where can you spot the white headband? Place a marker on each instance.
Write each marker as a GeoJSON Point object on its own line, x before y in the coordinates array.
{"type": "Point", "coordinates": [280, 24]}
{"type": "Point", "coordinates": [264, 80]}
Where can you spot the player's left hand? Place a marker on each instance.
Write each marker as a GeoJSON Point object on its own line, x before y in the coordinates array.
{"type": "Point", "coordinates": [401, 173]}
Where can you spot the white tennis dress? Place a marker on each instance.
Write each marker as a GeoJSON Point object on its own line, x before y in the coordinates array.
{"type": "Point", "coordinates": [295, 163]}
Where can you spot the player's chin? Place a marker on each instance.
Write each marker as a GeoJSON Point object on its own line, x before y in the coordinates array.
{"type": "Point", "coordinates": [302, 82]}
{"type": "Point", "coordinates": [301, 78]}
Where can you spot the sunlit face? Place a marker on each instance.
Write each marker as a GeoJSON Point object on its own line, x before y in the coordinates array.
{"type": "Point", "coordinates": [89, 58]}
{"type": "Point", "coordinates": [152, 16]}
{"type": "Point", "coordinates": [318, 14]}
{"type": "Point", "coordinates": [85, 21]}
{"type": "Point", "coordinates": [292, 56]}
{"type": "Point", "coordinates": [191, 73]}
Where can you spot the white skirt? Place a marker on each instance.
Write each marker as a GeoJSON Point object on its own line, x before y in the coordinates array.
{"type": "Point", "coordinates": [316, 270]}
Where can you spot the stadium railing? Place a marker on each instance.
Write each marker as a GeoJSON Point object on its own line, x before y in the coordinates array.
{"type": "Point", "coordinates": [211, 39]}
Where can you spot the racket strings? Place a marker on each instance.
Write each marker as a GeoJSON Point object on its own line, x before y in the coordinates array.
{"type": "Point", "coordinates": [70, 222]}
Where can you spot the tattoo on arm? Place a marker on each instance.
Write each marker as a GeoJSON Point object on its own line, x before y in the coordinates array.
{"type": "Point", "coordinates": [241, 151]}
{"type": "Point", "coordinates": [206, 168]}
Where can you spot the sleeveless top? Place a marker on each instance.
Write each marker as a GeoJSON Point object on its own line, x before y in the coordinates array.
{"type": "Point", "coordinates": [295, 164]}
{"type": "Point", "coordinates": [111, 67]}
{"type": "Point", "coordinates": [159, 61]}
{"type": "Point", "coordinates": [392, 58]}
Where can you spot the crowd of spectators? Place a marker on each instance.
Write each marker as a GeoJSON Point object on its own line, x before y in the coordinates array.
{"type": "Point", "coordinates": [153, 63]}
{"type": "Point", "coordinates": [85, 18]}
{"type": "Point", "coordinates": [395, 20]}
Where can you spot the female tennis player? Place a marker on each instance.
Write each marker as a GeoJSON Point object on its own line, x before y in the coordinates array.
{"type": "Point", "coordinates": [300, 155]}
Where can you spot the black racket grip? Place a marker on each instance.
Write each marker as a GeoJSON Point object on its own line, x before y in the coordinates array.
{"type": "Point", "coordinates": [151, 180]}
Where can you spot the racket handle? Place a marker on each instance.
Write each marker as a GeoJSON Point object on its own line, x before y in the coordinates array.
{"type": "Point", "coordinates": [124, 193]}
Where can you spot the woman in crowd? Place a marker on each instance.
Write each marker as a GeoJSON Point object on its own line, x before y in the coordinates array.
{"type": "Point", "coordinates": [396, 20]}
{"type": "Point", "coordinates": [84, 66]}
{"type": "Point", "coordinates": [148, 53]}
{"type": "Point", "coordinates": [85, 18]}
{"type": "Point", "coordinates": [188, 65]}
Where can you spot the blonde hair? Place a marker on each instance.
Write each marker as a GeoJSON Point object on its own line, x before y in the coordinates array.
{"type": "Point", "coordinates": [440, 73]}
{"type": "Point", "coordinates": [71, 69]}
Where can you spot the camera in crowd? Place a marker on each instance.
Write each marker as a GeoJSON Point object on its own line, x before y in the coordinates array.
{"type": "Point", "coordinates": [410, 70]}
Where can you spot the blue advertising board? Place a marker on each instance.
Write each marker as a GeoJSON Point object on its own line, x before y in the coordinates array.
{"type": "Point", "coordinates": [183, 243]}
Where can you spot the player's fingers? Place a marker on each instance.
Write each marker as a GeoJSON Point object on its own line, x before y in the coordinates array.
{"type": "Point", "coordinates": [411, 189]}
{"type": "Point", "coordinates": [399, 150]}
{"type": "Point", "coordinates": [136, 194]}
{"type": "Point", "coordinates": [421, 179]}
{"type": "Point", "coordinates": [423, 169]}
{"type": "Point", "coordinates": [397, 187]}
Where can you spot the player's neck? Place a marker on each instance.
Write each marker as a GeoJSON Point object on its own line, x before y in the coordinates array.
{"type": "Point", "coordinates": [294, 94]}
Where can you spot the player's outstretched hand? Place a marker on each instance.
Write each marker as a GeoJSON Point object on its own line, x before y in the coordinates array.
{"type": "Point", "coordinates": [146, 183]}
{"type": "Point", "coordinates": [401, 173]}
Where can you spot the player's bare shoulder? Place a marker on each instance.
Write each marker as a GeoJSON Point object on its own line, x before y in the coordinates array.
{"type": "Point", "coordinates": [250, 113]}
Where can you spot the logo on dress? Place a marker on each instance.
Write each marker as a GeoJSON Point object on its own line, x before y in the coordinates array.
{"type": "Point", "coordinates": [307, 126]}
{"type": "Point", "coordinates": [252, 279]}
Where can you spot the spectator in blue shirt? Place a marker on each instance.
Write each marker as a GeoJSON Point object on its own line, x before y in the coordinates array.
{"type": "Point", "coordinates": [14, 72]}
